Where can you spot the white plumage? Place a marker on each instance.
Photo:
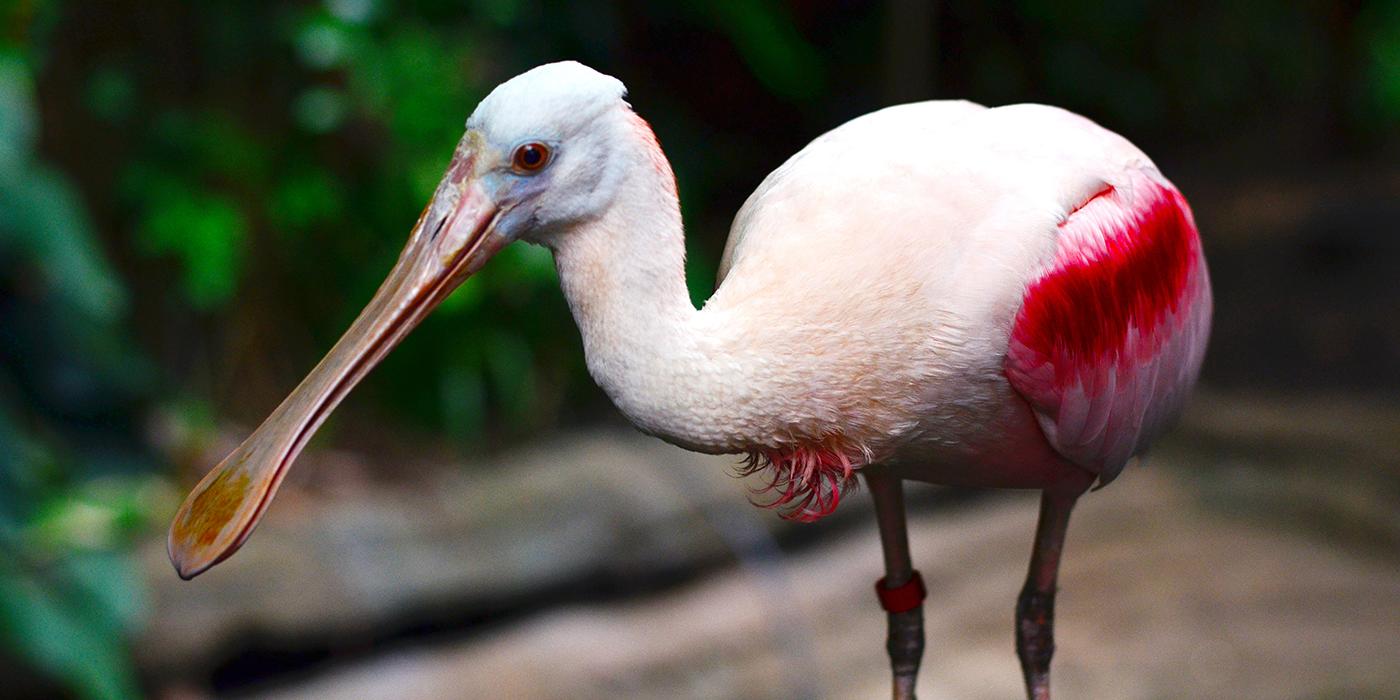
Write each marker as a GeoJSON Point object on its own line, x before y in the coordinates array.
{"type": "Point", "coordinates": [868, 289]}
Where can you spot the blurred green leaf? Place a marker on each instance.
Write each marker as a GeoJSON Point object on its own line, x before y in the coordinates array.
{"type": "Point", "coordinates": [463, 397]}
{"type": "Point", "coordinates": [320, 110]}
{"type": "Point", "coordinates": [503, 13]}
{"type": "Point", "coordinates": [354, 11]}
{"type": "Point", "coordinates": [23, 463]}
{"type": "Point", "coordinates": [46, 222]}
{"type": "Point", "coordinates": [69, 612]}
{"type": "Point", "coordinates": [1381, 25]}
{"type": "Point", "coordinates": [18, 120]}
{"type": "Point", "coordinates": [323, 43]}
{"type": "Point", "coordinates": [206, 232]}
{"type": "Point", "coordinates": [463, 299]}
{"type": "Point", "coordinates": [100, 514]}
{"type": "Point", "coordinates": [510, 367]}
{"type": "Point", "coordinates": [223, 146]}
{"type": "Point", "coordinates": [304, 197]}
{"type": "Point", "coordinates": [111, 93]}
{"type": "Point", "coordinates": [72, 616]}
{"type": "Point", "coordinates": [42, 217]}
{"type": "Point", "coordinates": [411, 80]}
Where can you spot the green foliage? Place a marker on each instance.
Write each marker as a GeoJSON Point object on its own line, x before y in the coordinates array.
{"type": "Point", "coordinates": [72, 617]}
{"type": "Point", "coordinates": [1381, 27]}
{"type": "Point", "coordinates": [184, 213]}
{"type": "Point", "coordinates": [303, 199]}
{"type": "Point", "coordinates": [349, 149]}
{"type": "Point", "coordinates": [205, 231]}
{"type": "Point", "coordinates": [42, 219]}
{"type": "Point", "coordinates": [17, 114]}
{"type": "Point", "coordinates": [69, 592]}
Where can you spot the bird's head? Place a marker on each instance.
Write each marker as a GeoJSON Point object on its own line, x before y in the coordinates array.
{"type": "Point", "coordinates": [539, 156]}
{"type": "Point", "coordinates": [546, 148]}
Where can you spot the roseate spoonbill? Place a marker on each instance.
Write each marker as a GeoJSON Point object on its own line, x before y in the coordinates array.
{"type": "Point", "coordinates": [940, 292]}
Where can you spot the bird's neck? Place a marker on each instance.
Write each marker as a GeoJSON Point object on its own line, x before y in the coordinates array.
{"type": "Point", "coordinates": [655, 355]}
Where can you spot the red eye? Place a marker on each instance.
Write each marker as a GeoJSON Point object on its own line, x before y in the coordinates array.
{"type": "Point", "coordinates": [530, 157]}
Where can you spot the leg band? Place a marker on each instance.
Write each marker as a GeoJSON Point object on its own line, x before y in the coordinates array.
{"type": "Point", "coordinates": [902, 598]}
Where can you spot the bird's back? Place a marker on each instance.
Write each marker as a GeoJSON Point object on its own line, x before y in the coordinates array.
{"type": "Point", "coordinates": [900, 248]}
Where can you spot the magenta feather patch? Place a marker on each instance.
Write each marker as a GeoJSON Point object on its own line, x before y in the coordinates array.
{"type": "Point", "coordinates": [1132, 274]}
{"type": "Point", "coordinates": [805, 483]}
{"type": "Point", "coordinates": [1112, 332]}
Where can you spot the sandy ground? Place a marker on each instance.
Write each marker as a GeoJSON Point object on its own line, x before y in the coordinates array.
{"type": "Point", "coordinates": [1160, 599]}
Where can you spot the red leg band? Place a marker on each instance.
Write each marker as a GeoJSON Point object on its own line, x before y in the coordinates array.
{"type": "Point", "coordinates": [902, 598]}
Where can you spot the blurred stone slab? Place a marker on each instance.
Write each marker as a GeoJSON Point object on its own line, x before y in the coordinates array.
{"type": "Point", "coordinates": [1326, 464]}
{"type": "Point", "coordinates": [1332, 421]}
{"type": "Point", "coordinates": [610, 503]}
{"type": "Point", "coordinates": [1160, 598]}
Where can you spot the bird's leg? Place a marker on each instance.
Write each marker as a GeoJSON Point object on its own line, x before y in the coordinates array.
{"type": "Point", "coordinates": [1035, 609]}
{"type": "Point", "coordinates": [901, 591]}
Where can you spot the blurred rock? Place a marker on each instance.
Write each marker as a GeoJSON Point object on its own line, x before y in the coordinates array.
{"type": "Point", "coordinates": [1159, 600]}
{"type": "Point", "coordinates": [503, 533]}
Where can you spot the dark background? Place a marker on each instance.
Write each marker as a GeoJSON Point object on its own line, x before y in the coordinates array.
{"type": "Point", "coordinates": [196, 198]}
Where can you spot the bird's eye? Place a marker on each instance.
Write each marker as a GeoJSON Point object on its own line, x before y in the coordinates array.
{"type": "Point", "coordinates": [530, 158]}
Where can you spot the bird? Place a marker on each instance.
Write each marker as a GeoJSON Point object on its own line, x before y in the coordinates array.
{"type": "Point", "coordinates": [941, 292]}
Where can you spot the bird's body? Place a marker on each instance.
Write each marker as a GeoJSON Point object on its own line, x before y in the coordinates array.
{"type": "Point", "coordinates": [878, 327]}
{"type": "Point", "coordinates": [942, 292]}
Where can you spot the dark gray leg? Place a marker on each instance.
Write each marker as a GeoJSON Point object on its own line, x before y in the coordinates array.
{"type": "Point", "coordinates": [901, 591]}
{"type": "Point", "coordinates": [1035, 609]}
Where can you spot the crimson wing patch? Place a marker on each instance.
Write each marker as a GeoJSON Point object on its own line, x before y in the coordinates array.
{"type": "Point", "coordinates": [1110, 335]}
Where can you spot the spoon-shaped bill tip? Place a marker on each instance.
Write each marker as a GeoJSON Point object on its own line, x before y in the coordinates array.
{"type": "Point", "coordinates": [452, 239]}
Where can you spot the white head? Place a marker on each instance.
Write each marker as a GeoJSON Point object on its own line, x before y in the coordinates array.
{"type": "Point", "coordinates": [576, 122]}
{"type": "Point", "coordinates": [543, 153]}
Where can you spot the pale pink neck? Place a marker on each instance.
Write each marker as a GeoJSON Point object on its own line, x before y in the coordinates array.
{"type": "Point", "coordinates": [687, 376]}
